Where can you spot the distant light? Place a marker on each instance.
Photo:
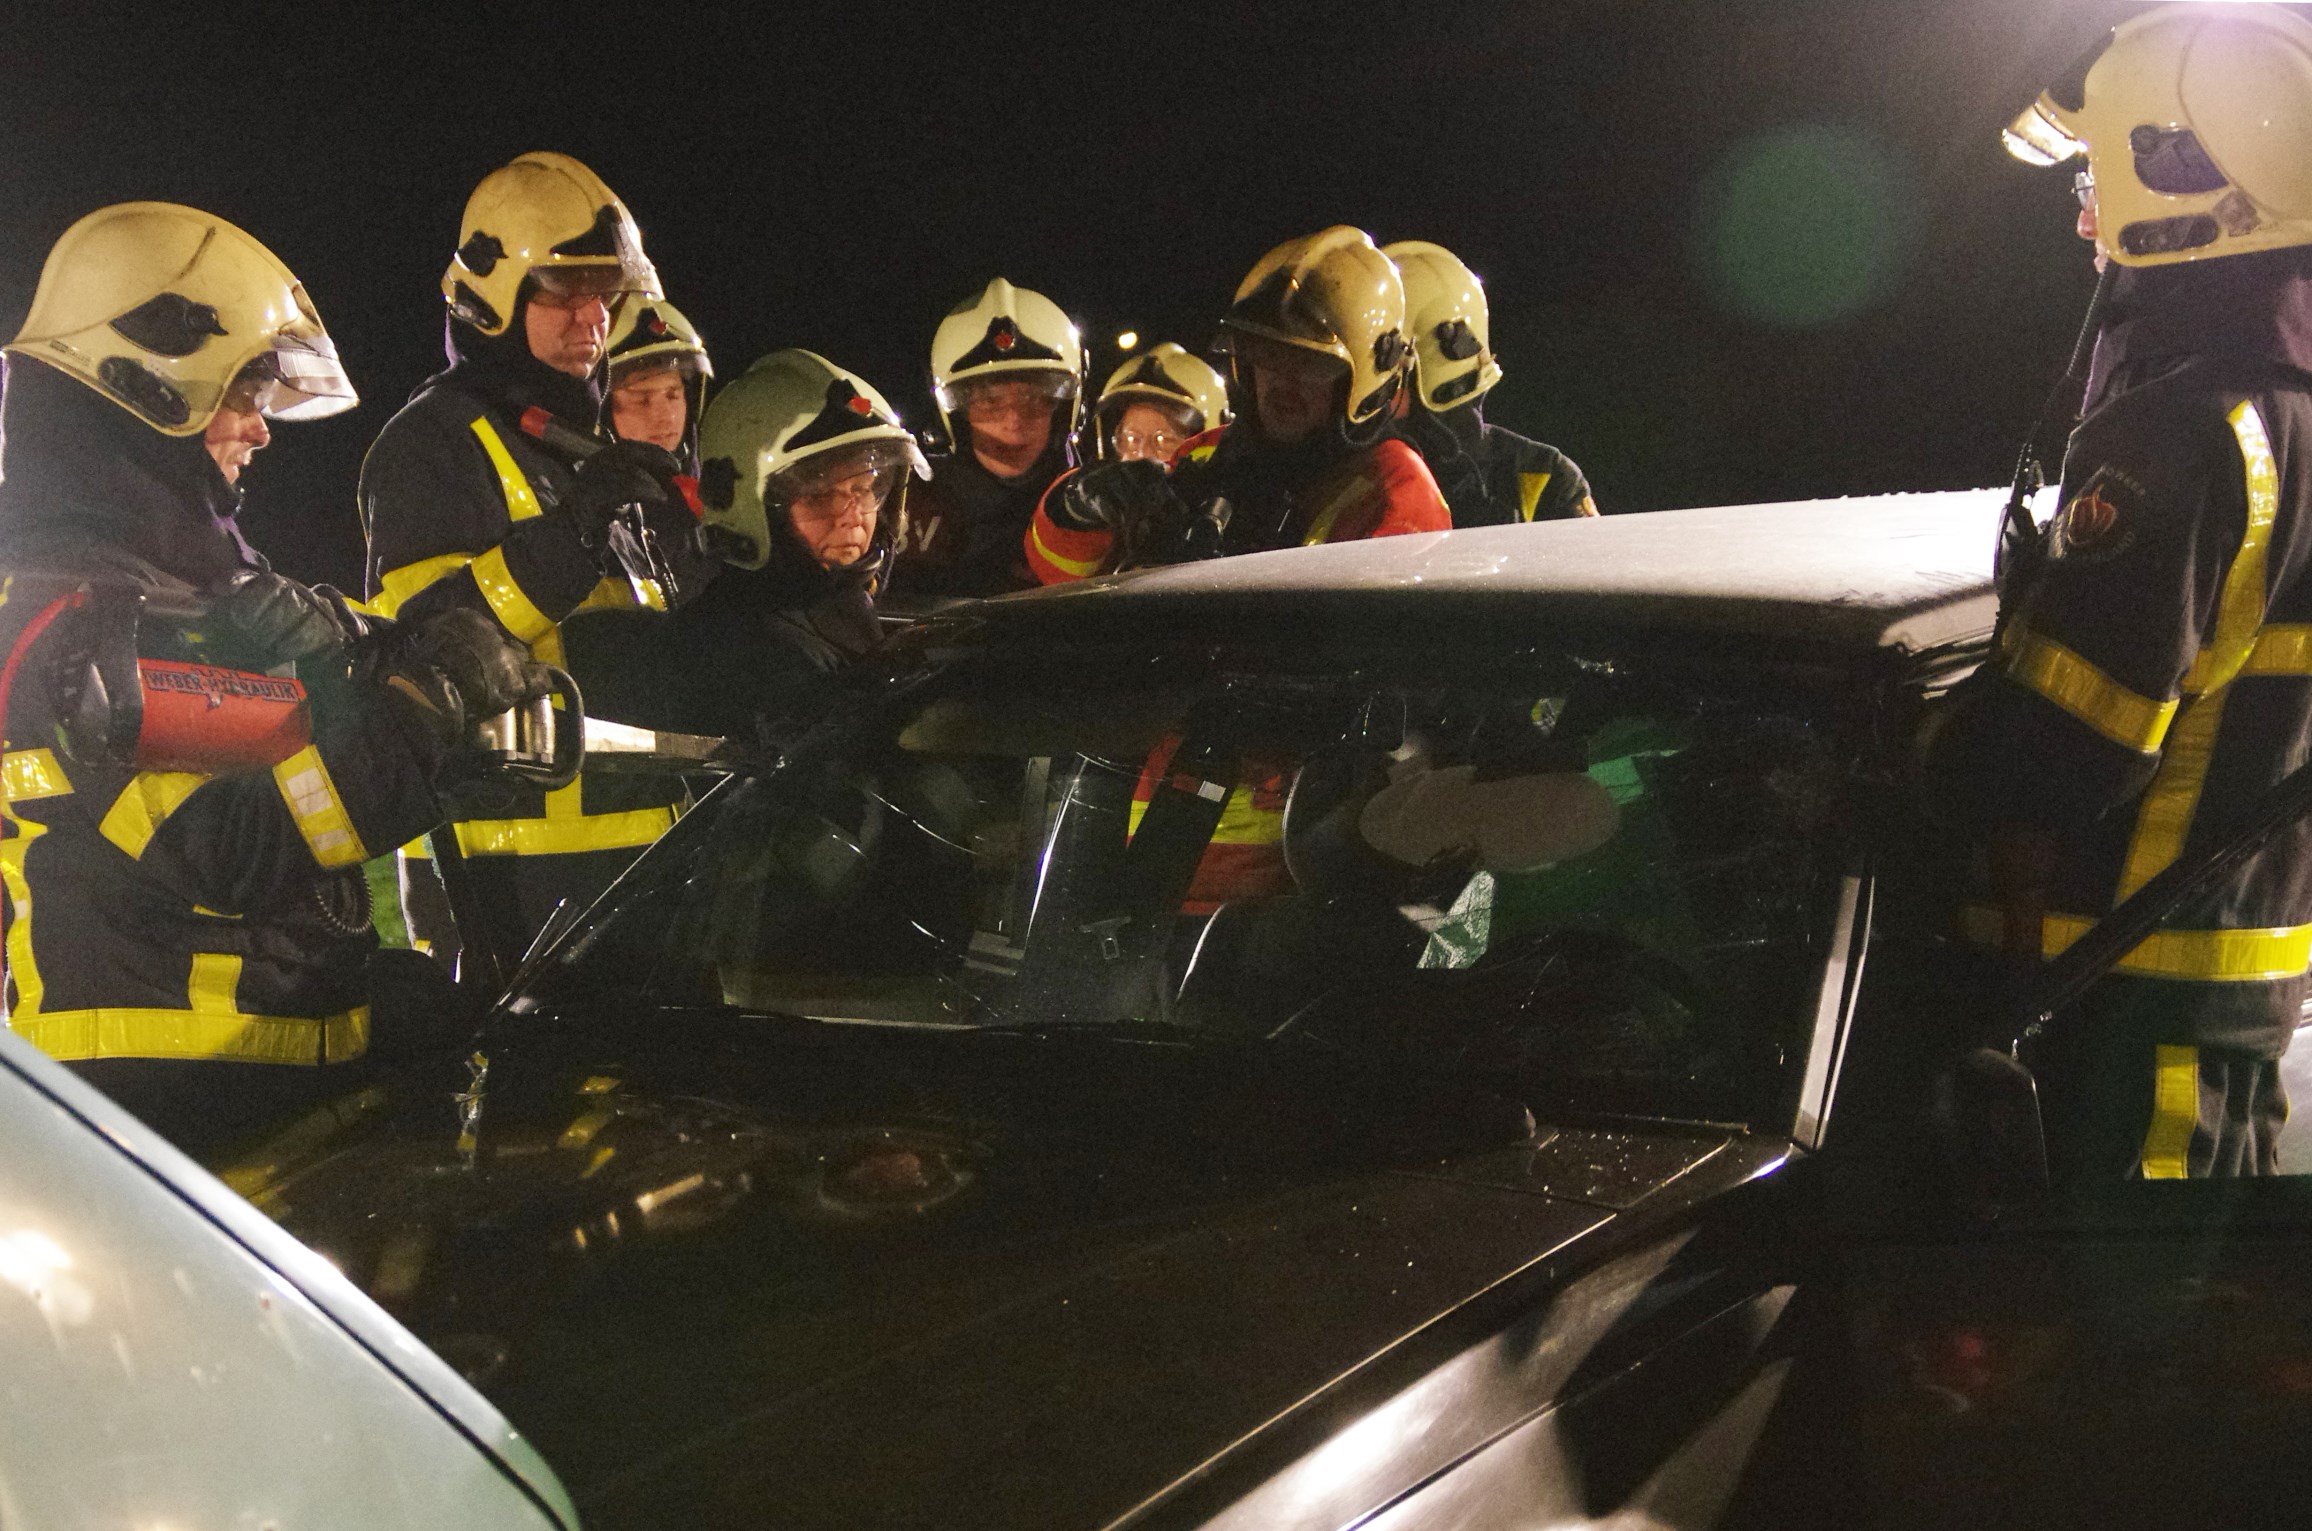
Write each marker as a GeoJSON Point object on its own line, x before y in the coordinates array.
{"type": "Point", "coordinates": [1127, 340]}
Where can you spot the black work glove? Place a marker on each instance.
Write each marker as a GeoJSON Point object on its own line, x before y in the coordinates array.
{"type": "Point", "coordinates": [259, 619]}
{"type": "Point", "coordinates": [1114, 496]}
{"type": "Point", "coordinates": [621, 474]}
{"type": "Point", "coordinates": [455, 668]}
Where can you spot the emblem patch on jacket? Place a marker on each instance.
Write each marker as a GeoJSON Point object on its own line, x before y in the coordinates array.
{"type": "Point", "coordinates": [2098, 522]}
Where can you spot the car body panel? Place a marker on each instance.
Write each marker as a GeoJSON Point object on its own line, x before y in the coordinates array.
{"type": "Point", "coordinates": [1908, 572]}
{"type": "Point", "coordinates": [171, 1358]}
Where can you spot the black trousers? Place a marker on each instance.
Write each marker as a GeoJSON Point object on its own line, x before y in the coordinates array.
{"type": "Point", "coordinates": [2123, 1101]}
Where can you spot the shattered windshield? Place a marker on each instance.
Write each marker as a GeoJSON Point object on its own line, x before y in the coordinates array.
{"type": "Point", "coordinates": [1607, 877]}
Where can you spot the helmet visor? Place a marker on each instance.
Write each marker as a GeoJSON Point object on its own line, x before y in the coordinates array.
{"type": "Point", "coordinates": [847, 480]}
{"type": "Point", "coordinates": [308, 381]}
{"type": "Point", "coordinates": [1039, 387]}
{"type": "Point", "coordinates": [570, 286]}
{"type": "Point", "coordinates": [2036, 138]}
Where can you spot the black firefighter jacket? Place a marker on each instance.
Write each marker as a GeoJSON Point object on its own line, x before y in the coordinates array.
{"type": "Point", "coordinates": [2157, 676]}
{"type": "Point", "coordinates": [454, 495]}
{"type": "Point", "coordinates": [170, 914]}
{"type": "Point", "coordinates": [961, 534]}
{"type": "Point", "coordinates": [1495, 477]}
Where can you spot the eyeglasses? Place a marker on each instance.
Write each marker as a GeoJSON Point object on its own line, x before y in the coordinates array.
{"type": "Point", "coordinates": [1160, 443]}
{"type": "Point", "coordinates": [989, 404]}
{"type": "Point", "coordinates": [253, 387]}
{"type": "Point", "coordinates": [844, 491]}
{"type": "Point", "coordinates": [2083, 187]}
{"type": "Point", "coordinates": [570, 287]}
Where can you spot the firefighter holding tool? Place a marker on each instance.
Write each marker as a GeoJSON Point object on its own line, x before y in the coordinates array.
{"type": "Point", "coordinates": [474, 496]}
{"type": "Point", "coordinates": [199, 753]}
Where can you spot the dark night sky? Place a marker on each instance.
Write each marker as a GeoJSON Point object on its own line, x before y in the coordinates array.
{"type": "Point", "coordinates": [1736, 251]}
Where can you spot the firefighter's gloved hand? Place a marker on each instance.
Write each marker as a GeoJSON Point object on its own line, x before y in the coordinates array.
{"type": "Point", "coordinates": [1115, 496]}
{"type": "Point", "coordinates": [455, 668]}
{"type": "Point", "coordinates": [621, 474]}
{"type": "Point", "coordinates": [259, 619]}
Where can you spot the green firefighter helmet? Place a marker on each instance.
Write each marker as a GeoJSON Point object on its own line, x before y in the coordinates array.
{"type": "Point", "coordinates": [161, 308]}
{"type": "Point", "coordinates": [653, 327]}
{"type": "Point", "coordinates": [1008, 334]}
{"type": "Point", "coordinates": [546, 218]}
{"type": "Point", "coordinates": [1334, 293]}
{"type": "Point", "coordinates": [1452, 329]}
{"type": "Point", "coordinates": [790, 416]}
{"type": "Point", "coordinates": [2196, 121]}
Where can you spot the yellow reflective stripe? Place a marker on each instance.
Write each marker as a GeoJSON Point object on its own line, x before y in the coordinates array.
{"type": "Point", "coordinates": [2240, 609]}
{"type": "Point", "coordinates": [29, 775]}
{"type": "Point", "coordinates": [144, 805]}
{"type": "Point", "coordinates": [70, 1035]}
{"type": "Point", "coordinates": [521, 503]}
{"type": "Point", "coordinates": [1079, 568]}
{"type": "Point", "coordinates": [618, 595]}
{"type": "Point", "coordinates": [1529, 488]}
{"type": "Point", "coordinates": [562, 836]}
{"type": "Point", "coordinates": [22, 971]}
{"type": "Point", "coordinates": [398, 585]}
{"type": "Point", "coordinates": [215, 981]}
{"type": "Point", "coordinates": [546, 648]}
{"type": "Point", "coordinates": [1241, 823]}
{"type": "Point", "coordinates": [2172, 800]}
{"type": "Point", "coordinates": [2284, 648]}
{"type": "Point", "coordinates": [2262, 954]}
{"type": "Point", "coordinates": [508, 601]}
{"type": "Point", "coordinates": [2175, 1112]}
{"type": "Point", "coordinates": [1321, 524]}
{"type": "Point", "coordinates": [320, 813]}
{"type": "Point", "coordinates": [2127, 718]}
{"type": "Point", "coordinates": [2164, 818]}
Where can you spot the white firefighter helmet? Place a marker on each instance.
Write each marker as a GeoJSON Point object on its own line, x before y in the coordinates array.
{"type": "Point", "coordinates": [1336, 294]}
{"type": "Point", "coordinates": [649, 327]}
{"type": "Point", "coordinates": [160, 308]}
{"type": "Point", "coordinates": [1168, 376]}
{"type": "Point", "coordinates": [1009, 333]}
{"type": "Point", "coordinates": [1452, 329]}
{"type": "Point", "coordinates": [2196, 121]}
{"type": "Point", "coordinates": [790, 413]}
{"type": "Point", "coordinates": [549, 218]}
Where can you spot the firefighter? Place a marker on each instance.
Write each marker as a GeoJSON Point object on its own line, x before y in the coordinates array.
{"type": "Point", "coordinates": [463, 506]}
{"type": "Point", "coordinates": [165, 920]}
{"type": "Point", "coordinates": [2152, 676]}
{"type": "Point", "coordinates": [1317, 346]}
{"type": "Point", "coordinates": [1006, 375]}
{"type": "Point", "coordinates": [658, 372]}
{"type": "Point", "coordinates": [1156, 401]}
{"type": "Point", "coordinates": [802, 466]}
{"type": "Point", "coordinates": [1490, 476]}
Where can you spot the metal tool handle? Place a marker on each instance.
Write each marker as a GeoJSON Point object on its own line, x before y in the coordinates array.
{"type": "Point", "coordinates": [569, 757]}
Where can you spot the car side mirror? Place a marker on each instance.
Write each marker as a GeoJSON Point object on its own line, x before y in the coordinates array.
{"type": "Point", "coordinates": [1986, 1118]}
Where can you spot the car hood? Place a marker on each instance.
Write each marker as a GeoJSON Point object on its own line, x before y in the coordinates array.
{"type": "Point", "coordinates": [760, 1271]}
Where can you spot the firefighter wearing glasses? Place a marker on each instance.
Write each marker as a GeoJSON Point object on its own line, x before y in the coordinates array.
{"type": "Point", "coordinates": [1006, 371]}
{"type": "Point", "coordinates": [1491, 476]}
{"type": "Point", "coordinates": [464, 507]}
{"type": "Point", "coordinates": [163, 920]}
{"type": "Point", "coordinates": [1156, 401]}
{"type": "Point", "coordinates": [1317, 342]}
{"type": "Point", "coordinates": [2154, 675]}
{"type": "Point", "coordinates": [802, 464]}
